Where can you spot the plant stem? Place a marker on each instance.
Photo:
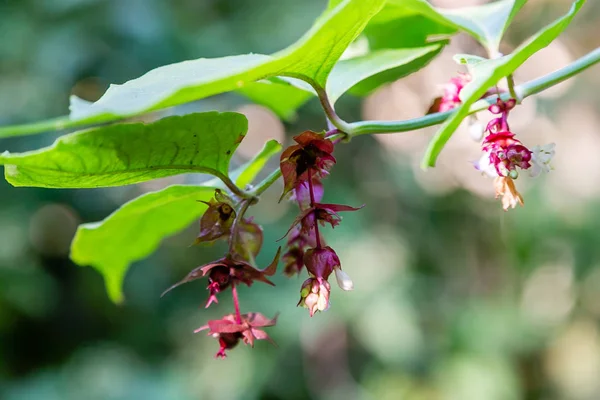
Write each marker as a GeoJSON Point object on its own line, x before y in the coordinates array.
{"type": "Point", "coordinates": [332, 116]}
{"type": "Point", "coordinates": [511, 88]}
{"type": "Point", "coordinates": [312, 205]}
{"type": "Point", "coordinates": [236, 223]}
{"type": "Point", "coordinates": [373, 127]}
{"type": "Point", "coordinates": [266, 183]}
{"type": "Point", "coordinates": [233, 187]}
{"type": "Point", "coordinates": [525, 90]}
{"type": "Point", "coordinates": [236, 303]}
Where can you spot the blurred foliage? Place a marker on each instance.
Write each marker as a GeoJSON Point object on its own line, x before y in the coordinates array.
{"type": "Point", "coordinates": [454, 299]}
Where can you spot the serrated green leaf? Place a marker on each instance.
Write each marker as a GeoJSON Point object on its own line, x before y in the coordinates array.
{"type": "Point", "coordinates": [136, 229]}
{"type": "Point", "coordinates": [129, 153]}
{"type": "Point", "coordinates": [487, 73]}
{"type": "Point", "coordinates": [310, 58]}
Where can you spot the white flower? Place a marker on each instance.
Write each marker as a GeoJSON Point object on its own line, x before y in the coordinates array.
{"type": "Point", "coordinates": [343, 280]}
{"type": "Point", "coordinates": [484, 165]}
{"type": "Point", "coordinates": [540, 159]}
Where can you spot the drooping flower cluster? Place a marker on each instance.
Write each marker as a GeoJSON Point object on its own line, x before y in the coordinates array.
{"type": "Point", "coordinates": [304, 165]}
{"type": "Point", "coordinates": [235, 268]}
{"type": "Point", "coordinates": [503, 155]}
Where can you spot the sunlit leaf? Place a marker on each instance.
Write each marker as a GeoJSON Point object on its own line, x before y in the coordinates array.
{"type": "Point", "coordinates": [487, 73]}
{"type": "Point", "coordinates": [361, 75]}
{"type": "Point", "coordinates": [135, 230]}
{"type": "Point", "coordinates": [487, 23]}
{"type": "Point", "coordinates": [129, 153]}
{"type": "Point", "coordinates": [279, 95]}
{"type": "Point", "coordinates": [311, 58]}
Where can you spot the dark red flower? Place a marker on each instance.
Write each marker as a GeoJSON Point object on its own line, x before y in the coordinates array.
{"type": "Point", "coordinates": [293, 258]}
{"type": "Point", "coordinates": [226, 271]}
{"type": "Point", "coordinates": [323, 213]}
{"type": "Point", "coordinates": [314, 295]}
{"type": "Point", "coordinates": [312, 153]}
{"type": "Point", "coordinates": [321, 262]}
{"type": "Point", "coordinates": [229, 330]}
{"type": "Point", "coordinates": [217, 219]}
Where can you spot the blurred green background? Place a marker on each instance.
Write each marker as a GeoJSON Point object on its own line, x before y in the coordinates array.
{"type": "Point", "coordinates": [454, 299]}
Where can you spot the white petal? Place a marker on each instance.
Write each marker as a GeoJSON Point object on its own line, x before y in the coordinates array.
{"type": "Point", "coordinates": [343, 280]}
{"type": "Point", "coordinates": [485, 166]}
{"type": "Point", "coordinates": [541, 156]}
{"type": "Point", "coordinates": [476, 130]}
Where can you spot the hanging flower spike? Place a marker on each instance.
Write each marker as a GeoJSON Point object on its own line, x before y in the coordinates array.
{"type": "Point", "coordinates": [312, 152]}
{"type": "Point", "coordinates": [504, 154]}
{"type": "Point", "coordinates": [225, 272]}
{"type": "Point", "coordinates": [218, 218]}
{"type": "Point", "coordinates": [229, 331]}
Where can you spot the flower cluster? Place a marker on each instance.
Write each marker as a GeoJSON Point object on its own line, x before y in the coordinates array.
{"type": "Point", "coordinates": [503, 155]}
{"type": "Point", "coordinates": [303, 166]}
{"type": "Point", "coordinates": [245, 240]}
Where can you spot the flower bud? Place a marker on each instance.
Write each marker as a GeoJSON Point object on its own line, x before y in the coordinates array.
{"type": "Point", "coordinates": [343, 280]}
{"type": "Point", "coordinates": [321, 262]}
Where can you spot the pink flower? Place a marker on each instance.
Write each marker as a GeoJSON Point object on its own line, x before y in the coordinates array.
{"type": "Point", "coordinates": [229, 330]}
{"type": "Point", "coordinates": [314, 295]}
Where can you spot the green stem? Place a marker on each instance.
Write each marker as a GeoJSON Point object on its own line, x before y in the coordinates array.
{"type": "Point", "coordinates": [233, 187]}
{"type": "Point", "coordinates": [236, 223]}
{"type": "Point", "coordinates": [525, 90]}
{"type": "Point", "coordinates": [372, 127]}
{"type": "Point", "coordinates": [511, 88]}
{"type": "Point", "coordinates": [266, 183]}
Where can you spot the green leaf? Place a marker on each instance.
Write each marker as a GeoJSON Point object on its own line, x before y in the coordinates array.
{"type": "Point", "coordinates": [279, 95]}
{"type": "Point", "coordinates": [467, 59]}
{"type": "Point", "coordinates": [362, 75]}
{"type": "Point", "coordinates": [487, 73]}
{"type": "Point", "coordinates": [311, 58]}
{"type": "Point", "coordinates": [486, 23]}
{"type": "Point", "coordinates": [135, 230]}
{"type": "Point", "coordinates": [359, 75]}
{"type": "Point", "coordinates": [123, 154]}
